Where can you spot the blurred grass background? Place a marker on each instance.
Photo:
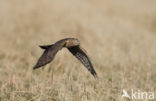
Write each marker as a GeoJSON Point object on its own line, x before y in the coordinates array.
{"type": "Point", "coordinates": [119, 37]}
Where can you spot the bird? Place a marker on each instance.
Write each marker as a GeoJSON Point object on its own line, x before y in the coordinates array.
{"type": "Point", "coordinates": [73, 45]}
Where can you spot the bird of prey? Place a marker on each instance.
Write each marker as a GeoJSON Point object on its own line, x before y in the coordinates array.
{"type": "Point", "coordinates": [73, 45]}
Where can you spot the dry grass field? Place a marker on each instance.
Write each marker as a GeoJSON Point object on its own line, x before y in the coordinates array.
{"type": "Point", "coordinates": [119, 37]}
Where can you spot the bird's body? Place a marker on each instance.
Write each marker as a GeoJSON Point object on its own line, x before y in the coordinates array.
{"type": "Point", "coordinates": [73, 46]}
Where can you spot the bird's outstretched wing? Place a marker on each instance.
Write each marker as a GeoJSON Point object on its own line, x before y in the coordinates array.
{"type": "Point", "coordinates": [48, 55]}
{"type": "Point", "coordinates": [84, 59]}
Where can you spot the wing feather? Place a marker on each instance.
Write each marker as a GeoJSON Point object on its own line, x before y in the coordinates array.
{"type": "Point", "coordinates": [48, 55]}
{"type": "Point", "coordinates": [83, 58]}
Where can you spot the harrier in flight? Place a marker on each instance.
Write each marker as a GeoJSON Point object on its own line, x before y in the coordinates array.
{"type": "Point", "coordinates": [73, 45]}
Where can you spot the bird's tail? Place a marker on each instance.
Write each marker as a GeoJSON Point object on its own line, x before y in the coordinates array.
{"type": "Point", "coordinates": [45, 46]}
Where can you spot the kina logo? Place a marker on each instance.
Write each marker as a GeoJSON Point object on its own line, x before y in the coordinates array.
{"type": "Point", "coordinates": [137, 95]}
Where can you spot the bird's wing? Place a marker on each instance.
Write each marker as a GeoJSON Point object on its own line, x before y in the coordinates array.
{"type": "Point", "coordinates": [48, 55]}
{"type": "Point", "coordinates": [83, 58]}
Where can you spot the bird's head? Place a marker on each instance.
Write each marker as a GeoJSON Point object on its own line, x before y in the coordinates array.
{"type": "Point", "coordinates": [72, 42]}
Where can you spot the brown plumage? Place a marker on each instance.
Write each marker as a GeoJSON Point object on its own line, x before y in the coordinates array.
{"type": "Point", "coordinates": [73, 46]}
